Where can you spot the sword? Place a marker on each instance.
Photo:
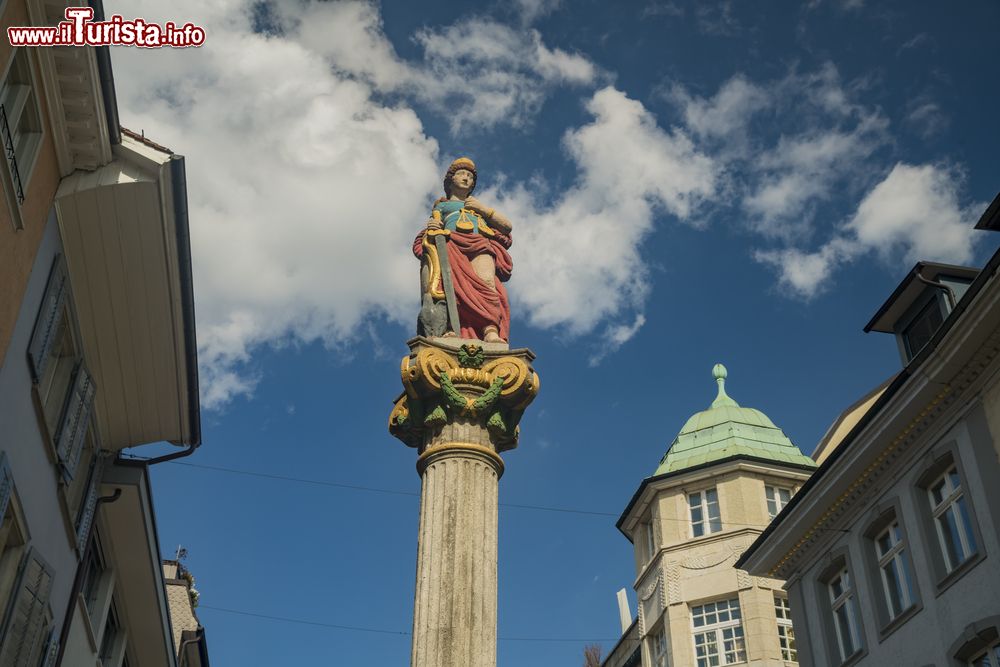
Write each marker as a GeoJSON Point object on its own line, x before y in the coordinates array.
{"type": "Point", "coordinates": [440, 242]}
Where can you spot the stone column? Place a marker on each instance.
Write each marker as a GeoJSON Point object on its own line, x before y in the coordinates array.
{"type": "Point", "coordinates": [461, 407]}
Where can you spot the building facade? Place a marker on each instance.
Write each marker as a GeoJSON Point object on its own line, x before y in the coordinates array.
{"type": "Point", "coordinates": [97, 354]}
{"type": "Point", "coordinates": [190, 643]}
{"type": "Point", "coordinates": [890, 551]}
{"type": "Point", "coordinates": [726, 475]}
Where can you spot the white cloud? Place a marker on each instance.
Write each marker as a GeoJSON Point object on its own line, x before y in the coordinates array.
{"type": "Point", "coordinates": [726, 113]}
{"type": "Point", "coordinates": [826, 150]}
{"type": "Point", "coordinates": [578, 259]}
{"type": "Point", "coordinates": [308, 173]}
{"type": "Point", "coordinates": [926, 117]}
{"type": "Point", "coordinates": [530, 10]}
{"type": "Point", "coordinates": [482, 73]}
{"type": "Point", "coordinates": [823, 143]}
{"type": "Point", "coordinates": [913, 214]}
{"type": "Point", "coordinates": [304, 191]}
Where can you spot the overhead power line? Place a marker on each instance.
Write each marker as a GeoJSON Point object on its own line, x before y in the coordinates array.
{"type": "Point", "coordinates": [396, 492]}
{"type": "Point", "coordinates": [381, 631]}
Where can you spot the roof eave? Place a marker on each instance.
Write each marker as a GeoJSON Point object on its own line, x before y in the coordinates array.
{"type": "Point", "coordinates": [778, 527]}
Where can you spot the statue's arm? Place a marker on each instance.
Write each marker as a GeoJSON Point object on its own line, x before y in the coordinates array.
{"type": "Point", "coordinates": [493, 217]}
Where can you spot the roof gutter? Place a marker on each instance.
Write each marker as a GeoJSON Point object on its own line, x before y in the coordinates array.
{"type": "Point", "coordinates": [107, 77]}
{"type": "Point", "coordinates": [910, 370]}
{"type": "Point", "coordinates": [178, 178]}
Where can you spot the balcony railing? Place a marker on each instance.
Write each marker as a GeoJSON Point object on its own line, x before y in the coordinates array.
{"type": "Point", "coordinates": [9, 149]}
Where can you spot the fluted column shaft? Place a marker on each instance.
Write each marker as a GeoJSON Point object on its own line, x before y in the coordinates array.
{"type": "Point", "coordinates": [455, 607]}
{"type": "Point", "coordinates": [461, 406]}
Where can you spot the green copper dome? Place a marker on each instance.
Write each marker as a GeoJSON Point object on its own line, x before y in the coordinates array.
{"type": "Point", "coordinates": [725, 430]}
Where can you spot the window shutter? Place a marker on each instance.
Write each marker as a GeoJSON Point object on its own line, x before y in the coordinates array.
{"type": "Point", "coordinates": [76, 418]}
{"type": "Point", "coordinates": [49, 315]}
{"type": "Point", "coordinates": [89, 505]}
{"type": "Point", "coordinates": [6, 485]}
{"type": "Point", "coordinates": [27, 622]}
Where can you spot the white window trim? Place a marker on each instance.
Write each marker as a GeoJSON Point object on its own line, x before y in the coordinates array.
{"type": "Point", "coordinates": [706, 517]}
{"type": "Point", "coordinates": [949, 503]}
{"type": "Point", "coordinates": [837, 602]}
{"type": "Point", "coordinates": [786, 631]}
{"type": "Point", "coordinates": [649, 538]}
{"type": "Point", "coordinates": [658, 647]}
{"type": "Point", "coordinates": [772, 495]}
{"type": "Point", "coordinates": [991, 652]}
{"type": "Point", "coordinates": [895, 555]}
{"type": "Point", "coordinates": [718, 630]}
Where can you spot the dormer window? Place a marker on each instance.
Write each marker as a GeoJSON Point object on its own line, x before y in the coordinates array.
{"type": "Point", "coordinates": [920, 305]}
{"type": "Point", "coordinates": [919, 330]}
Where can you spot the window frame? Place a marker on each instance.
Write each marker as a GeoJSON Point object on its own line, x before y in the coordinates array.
{"type": "Point", "coordinates": [707, 521]}
{"type": "Point", "coordinates": [991, 652]}
{"type": "Point", "coordinates": [648, 538]}
{"type": "Point", "coordinates": [29, 102]}
{"type": "Point", "coordinates": [718, 630]}
{"type": "Point", "coordinates": [937, 462]}
{"type": "Point", "coordinates": [902, 576]}
{"type": "Point", "coordinates": [786, 639]}
{"type": "Point", "coordinates": [659, 646]}
{"type": "Point", "coordinates": [779, 505]}
{"type": "Point", "coordinates": [954, 502]}
{"type": "Point", "coordinates": [838, 561]}
{"type": "Point", "coordinates": [932, 299]}
{"type": "Point", "coordinates": [845, 599]}
{"type": "Point", "coordinates": [977, 639]}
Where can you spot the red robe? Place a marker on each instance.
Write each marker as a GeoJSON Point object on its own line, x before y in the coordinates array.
{"type": "Point", "coordinates": [479, 305]}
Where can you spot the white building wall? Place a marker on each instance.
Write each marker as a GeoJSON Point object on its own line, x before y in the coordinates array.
{"type": "Point", "coordinates": [942, 612]}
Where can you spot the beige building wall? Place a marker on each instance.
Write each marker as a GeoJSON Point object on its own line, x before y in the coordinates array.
{"type": "Point", "coordinates": [18, 247]}
{"type": "Point", "coordinates": [179, 603]}
{"type": "Point", "coordinates": [687, 571]}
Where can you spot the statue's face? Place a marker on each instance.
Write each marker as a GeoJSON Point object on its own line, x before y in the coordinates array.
{"type": "Point", "coordinates": [463, 180]}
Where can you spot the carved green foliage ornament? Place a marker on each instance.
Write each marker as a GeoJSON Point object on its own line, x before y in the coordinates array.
{"type": "Point", "coordinates": [440, 388]}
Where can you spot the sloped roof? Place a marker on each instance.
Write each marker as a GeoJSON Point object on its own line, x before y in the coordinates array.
{"type": "Point", "coordinates": [726, 430]}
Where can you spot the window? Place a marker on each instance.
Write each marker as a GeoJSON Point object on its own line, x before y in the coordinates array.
{"type": "Point", "coordinates": [12, 536]}
{"type": "Point", "coordinates": [777, 498]}
{"type": "Point", "coordinates": [922, 327]}
{"type": "Point", "coordinates": [650, 541]}
{"type": "Point", "coordinates": [658, 647]}
{"type": "Point", "coordinates": [786, 633]}
{"type": "Point", "coordinates": [29, 620]}
{"type": "Point", "coordinates": [63, 385]}
{"type": "Point", "coordinates": [988, 658]}
{"type": "Point", "coordinates": [96, 581]}
{"type": "Point", "coordinates": [951, 518]}
{"type": "Point", "coordinates": [894, 570]}
{"type": "Point", "coordinates": [21, 127]}
{"type": "Point", "coordinates": [704, 506]}
{"type": "Point", "coordinates": [112, 640]}
{"type": "Point", "coordinates": [718, 634]}
{"type": "Point", "coordinates": [845, 619]}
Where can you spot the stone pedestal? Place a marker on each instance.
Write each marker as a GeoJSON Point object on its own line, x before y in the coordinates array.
{"type": "Point", "coordinates": [461, 407]}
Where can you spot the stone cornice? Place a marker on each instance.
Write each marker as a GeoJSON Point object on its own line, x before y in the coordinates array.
{"type": "Point", "coordinates": [651, 486]}
{"type": "Point", "coordinates": [72, 85]}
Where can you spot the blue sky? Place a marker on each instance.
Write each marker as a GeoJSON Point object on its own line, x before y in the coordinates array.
{"type": "Point", "coordinates": [690, 183]}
